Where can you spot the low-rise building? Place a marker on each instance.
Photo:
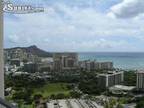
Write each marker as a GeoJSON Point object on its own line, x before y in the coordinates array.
{"type": "Point", "coordinates": [121, 89]}
{"type": "Point", "coordinates": [20, 73]}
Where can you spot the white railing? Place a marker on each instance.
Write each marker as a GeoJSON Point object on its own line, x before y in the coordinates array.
{"type": "Point", "coordinates": [6, 104]}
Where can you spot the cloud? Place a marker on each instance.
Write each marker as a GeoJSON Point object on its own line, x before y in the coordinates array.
{"type": "Point", "coordinates": [13, 38]}
{"type": "Point", "coordinates": [19, 39]}
{"type": "Point", "coordinates": [101, 44]}
{"type": "Point", "coordinates": [90, 45]}
{"type": "Point", "coordinates": [62, 28]}
{"type": "Point", "coordinates": [127, 9]}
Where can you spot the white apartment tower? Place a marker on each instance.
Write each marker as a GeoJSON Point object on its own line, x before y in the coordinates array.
{"type": "Point", "coordinates": [140, 80]}
{"type": "Point", "coordinates": [65, 61]}
{"type": "Point", "coordinates": [110, 79]}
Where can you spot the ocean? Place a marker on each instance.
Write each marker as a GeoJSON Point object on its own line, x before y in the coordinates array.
{"type": "Point", "coordinates": [123, 60]}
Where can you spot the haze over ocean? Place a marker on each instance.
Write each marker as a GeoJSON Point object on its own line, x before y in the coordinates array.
{"type": "Point", "coordinates": [124, 60]}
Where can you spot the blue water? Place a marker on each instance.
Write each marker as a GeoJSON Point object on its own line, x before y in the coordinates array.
{"type": "Point", "coordinates": [120, 59]}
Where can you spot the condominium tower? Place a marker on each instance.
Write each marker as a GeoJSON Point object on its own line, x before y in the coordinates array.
{"type": "Point", "coordinates": [65, 61]}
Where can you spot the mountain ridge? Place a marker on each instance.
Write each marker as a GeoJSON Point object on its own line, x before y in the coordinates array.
{"type": "Point", "coordinates": [33, 50]}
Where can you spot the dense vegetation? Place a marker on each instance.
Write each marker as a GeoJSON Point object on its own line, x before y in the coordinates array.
{"type": "Point", "coordinates": [140, 103]}
{"type": "Point", "coordinates": [130, 78]}
{"type": "Point", "coordinates": [22, 87]}
{"type": "Point", "coordinates": [25, 88]}
{"type": "Point", "coordinates": [89, 83]}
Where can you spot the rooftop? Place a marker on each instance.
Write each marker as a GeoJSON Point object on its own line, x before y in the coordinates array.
{"type": "Point", "coordinates": [122, 87]}
{"type": "Point", "coordinates": [140, 71]}
{"type": "Point", "coordinates": [111, 73]}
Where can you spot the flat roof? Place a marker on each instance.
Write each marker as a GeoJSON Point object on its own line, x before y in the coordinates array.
{"type": "Point", "coordinates": [110, 73]}
{"type": "Point", "coordinates": [140, 71]}
{"type": "Point", "coordinates": [122, 87]}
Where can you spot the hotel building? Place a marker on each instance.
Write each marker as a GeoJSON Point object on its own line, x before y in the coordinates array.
{"type": "Point", "coordinates": [65, 61]}
{"type": "Point", "coordinates": [94, 65]}
{"type": "Point", "coordinates": [110, 79]}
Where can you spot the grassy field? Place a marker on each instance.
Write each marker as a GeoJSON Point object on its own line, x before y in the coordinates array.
{"type": "Point", "coordinates": [52, 88]}
{"type": "Point", "coordinates": [27, 106]}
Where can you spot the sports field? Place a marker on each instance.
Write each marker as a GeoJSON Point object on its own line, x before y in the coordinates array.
{"type": "Point", "coordinates": [52, 88]}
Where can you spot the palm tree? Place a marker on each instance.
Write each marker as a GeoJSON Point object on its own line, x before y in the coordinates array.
{"type": "Point", "coordinates": [119, 106]}
{"type": "Point", "coordinates": [110, 103]}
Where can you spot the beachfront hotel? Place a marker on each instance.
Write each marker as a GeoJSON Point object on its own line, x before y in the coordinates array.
{"type": "Point", "coordinates": [91, 65]}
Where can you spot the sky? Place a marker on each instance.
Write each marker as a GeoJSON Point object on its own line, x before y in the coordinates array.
{"type": "Point", "coordinates": [78, 25]}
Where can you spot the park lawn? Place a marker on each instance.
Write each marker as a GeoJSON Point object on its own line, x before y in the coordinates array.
{"type": "Point", "coordinates": [52, 88]}
{"type": "Point", "coordinates": [27, 106]}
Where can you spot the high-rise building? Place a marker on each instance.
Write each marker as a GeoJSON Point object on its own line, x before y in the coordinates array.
{"type": "Point", "coordinates": [21, 54]}
{"type": "Point", "coordinates": [140, 80]}
{"type": "Point", "coordinates": [94, 65]}
{"type": "Point", "coordinates": [31, 67]}
{"type": "Point", "coordinates": [46, 67]}
{"type": "Point", "coordinates": [1, 54]}
{"type": "Point", "coordinates": [65, 61]}
{"type": "Point", "coordinates": [106, 65]}
{"type": "Point", "coordinates": [17, 53]}
{"type": "Point", "coordinates": [110, 79]}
